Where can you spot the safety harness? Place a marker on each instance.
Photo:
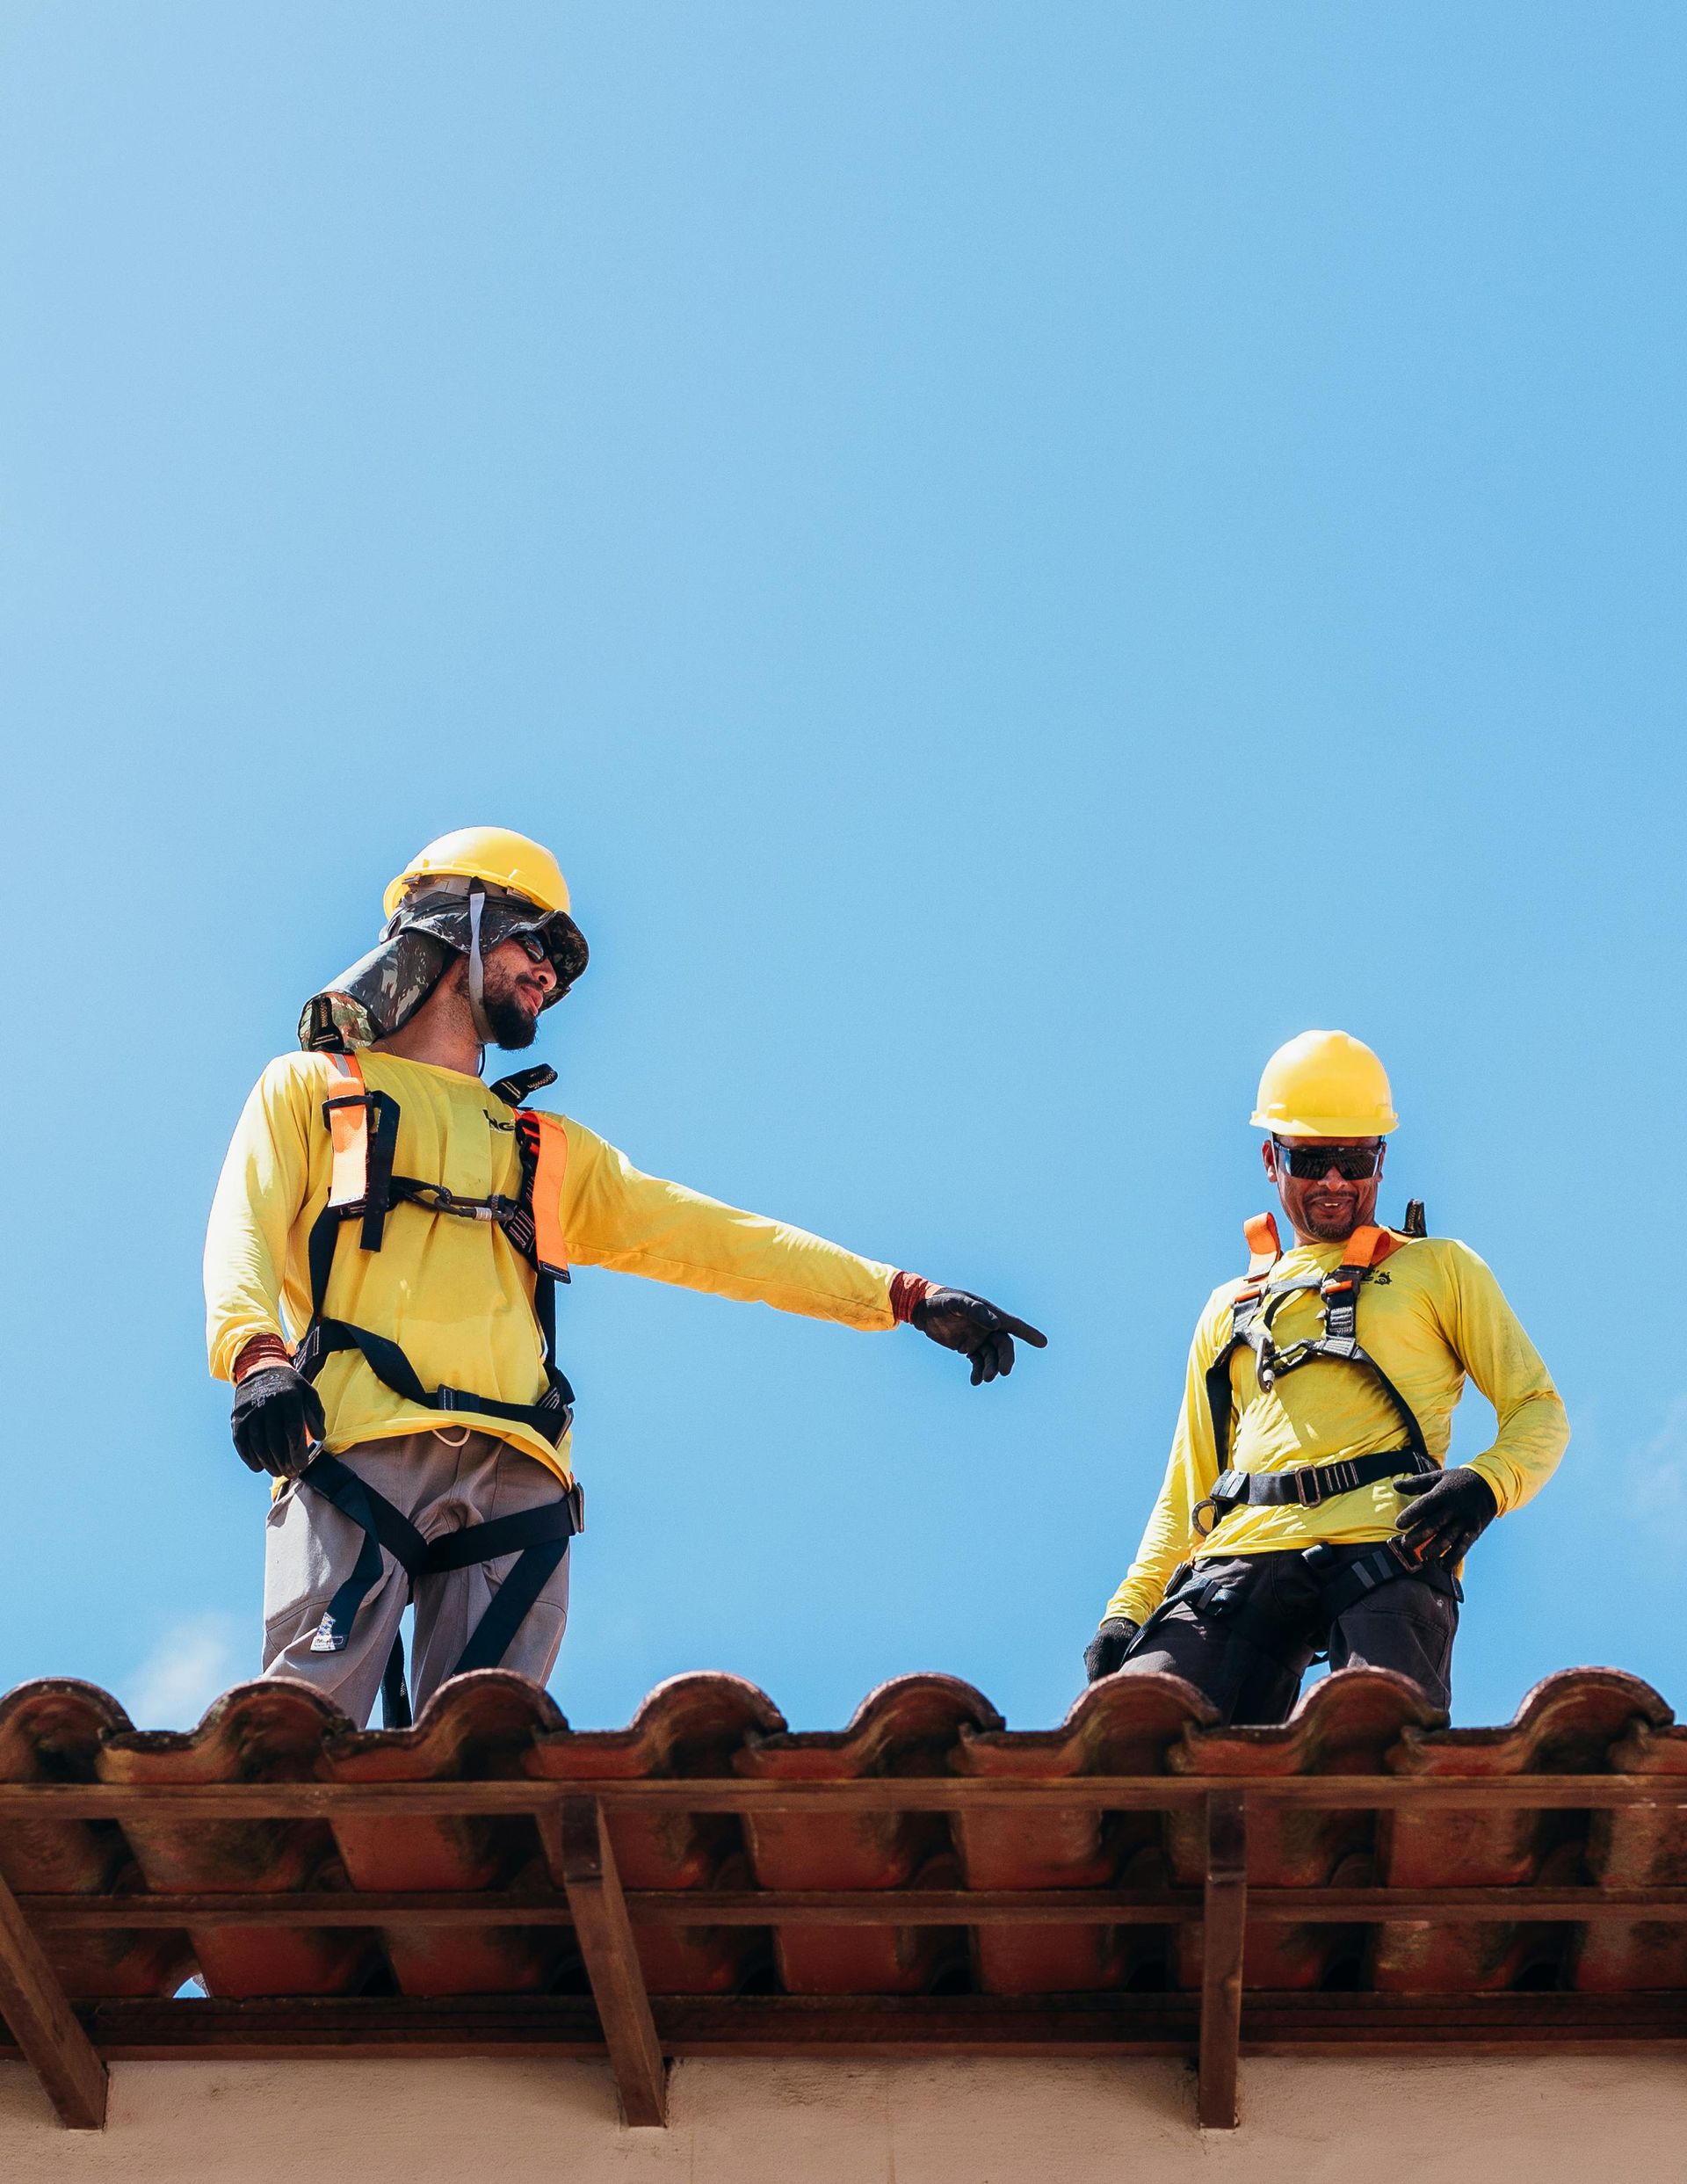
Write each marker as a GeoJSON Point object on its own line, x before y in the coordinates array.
{"type": "Point", "coordinates": [1341, 1576]}
{"type": "Point", "coordinates": [1253, 1317]}
{"type": "Point", "coordinates": [363, 1131]}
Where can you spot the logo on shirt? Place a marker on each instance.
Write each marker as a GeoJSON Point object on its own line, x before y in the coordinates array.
{"type": "Point", "coordinates": [497, 1125]}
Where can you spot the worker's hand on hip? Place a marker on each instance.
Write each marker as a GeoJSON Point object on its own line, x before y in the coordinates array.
{"type": "Point", "coordinates": [977, 1329]}
{"type": "Point", "coordinates": [277, 1418]}
{"type": "Point", "coordinates": [1106, 1650]}
{"type": "Point", "coordinates": [1446, 1513]}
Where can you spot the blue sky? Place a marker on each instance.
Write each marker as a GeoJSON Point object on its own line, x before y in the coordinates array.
{"type": "Point", "coordinates": [1020, 556]}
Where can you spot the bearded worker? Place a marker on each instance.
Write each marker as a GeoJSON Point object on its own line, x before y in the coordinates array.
{"type": "Point", "coordinates": [1305, 1509]}
{"type": "Point", "coordinates": [380, 1273]}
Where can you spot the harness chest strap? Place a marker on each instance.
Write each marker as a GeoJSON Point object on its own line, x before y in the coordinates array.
{"type": "Point", "coordinates": [1253, 1315]}
{"type": "Point", "coordinates": [363, 1133]}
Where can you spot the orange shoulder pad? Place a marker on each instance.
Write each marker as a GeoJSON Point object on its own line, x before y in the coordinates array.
{"type": "Point", "coordinates": [348, 1132]}
{"type": "Point", "coordinates": [1369, 1247]}
{"type": "Point", "coordinates": [1265, 1245]}
{"type": "Point", "coordinates": [548, 1139]}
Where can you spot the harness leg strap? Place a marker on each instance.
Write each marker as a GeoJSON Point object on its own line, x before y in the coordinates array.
{"type": "Point", "coordinates": [538, 1537]}
{"type": "Point", "coordinates": [382, 1526]}
{"type": "Point", "coordinates": [509, 1605]}
{"type": "Point", "coordinates": [394, 1692]}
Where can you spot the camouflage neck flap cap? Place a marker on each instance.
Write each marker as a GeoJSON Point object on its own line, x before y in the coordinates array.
{"type": "Point", "coordinates": [384, 989]}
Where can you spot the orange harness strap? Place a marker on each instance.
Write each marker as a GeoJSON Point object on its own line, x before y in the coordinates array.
{"type": "Point", "coordinates": [1368, 1247]}
{"type": "Point", "coordinates": [348, 1132]}
{"type": "Point", "coordinates": [545, 1144]}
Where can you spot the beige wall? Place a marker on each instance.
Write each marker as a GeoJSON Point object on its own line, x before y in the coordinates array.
{"type": "Point", "coordinates": [1346, 2120]}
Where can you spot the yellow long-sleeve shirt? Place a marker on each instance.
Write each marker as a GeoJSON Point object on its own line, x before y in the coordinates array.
{"type": "Point", "coordinates": [1431, 1315]}
{"type": "Point", "coordinates": [453, 1294]}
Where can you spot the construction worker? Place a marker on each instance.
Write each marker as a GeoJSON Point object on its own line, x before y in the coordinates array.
{"type": "Point", "coordinates": [380, 1274]}
{"type": "Point", "coordinates": [1306, 1510]}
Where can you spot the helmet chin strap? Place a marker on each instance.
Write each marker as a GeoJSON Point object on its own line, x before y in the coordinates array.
{"type": "Point", "coordinates": [477, 968]}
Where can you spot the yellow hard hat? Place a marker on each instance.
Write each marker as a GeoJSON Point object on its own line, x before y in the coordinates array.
{"type": "Point", "coordinates": [490, 853]}
{"type": "Point", "coordinates": [1325, 1084]}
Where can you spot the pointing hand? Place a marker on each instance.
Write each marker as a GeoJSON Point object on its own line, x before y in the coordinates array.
{"type": "Point", "coordinates": [977, 1329]}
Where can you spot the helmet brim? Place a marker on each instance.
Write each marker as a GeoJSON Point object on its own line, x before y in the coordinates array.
{"type": "Point", "coordinates": [1327, 1125]}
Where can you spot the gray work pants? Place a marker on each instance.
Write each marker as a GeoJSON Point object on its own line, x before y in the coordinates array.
{"type": "Point", "coordinates": [440, 1483]}
{"type": "Point", "coordinates": [1248, 1654]}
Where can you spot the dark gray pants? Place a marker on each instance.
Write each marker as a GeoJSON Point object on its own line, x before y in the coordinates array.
{"type": "Point", "coordinates": [1249, 1653]}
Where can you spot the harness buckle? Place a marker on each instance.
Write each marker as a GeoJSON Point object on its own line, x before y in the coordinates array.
{"type": "Point", "coordinates": [1320, 1482]}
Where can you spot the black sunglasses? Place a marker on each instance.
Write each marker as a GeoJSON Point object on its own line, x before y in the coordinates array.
{"type": "Point", "coordinates": [1354, 1163]}
{"type": "Point", "coordinates": [533, 946]}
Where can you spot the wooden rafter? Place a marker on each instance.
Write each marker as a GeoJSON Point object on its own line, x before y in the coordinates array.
{"type": "Point", "coordinates": [1105, 2024]}
{"type": "Point", "coordinates": [582, 1860]}
{"type": "Point", "coordinates": [850, 1907]}
{"type": "Point", "coordinates": [1223, 1926]}
{"type": "Point", "coordinates": [33, 2002]}
{"type": "Point", "coordinates": [902, 1793]}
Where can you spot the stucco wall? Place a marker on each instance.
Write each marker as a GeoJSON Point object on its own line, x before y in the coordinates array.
{"type": "Point", "coordinates": [1348, 2120]}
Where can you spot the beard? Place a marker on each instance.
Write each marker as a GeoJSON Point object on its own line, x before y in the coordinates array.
{"type": "Point", "coordinates": [510, 1024]}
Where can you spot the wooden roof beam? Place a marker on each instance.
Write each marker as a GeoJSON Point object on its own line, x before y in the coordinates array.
{"type": "Point", "coordinates": [1223, 1926]}
{"type": "Point", "coordinates": [582, 1860]}
{"type": "Point", "coordinates": [35, 2006]}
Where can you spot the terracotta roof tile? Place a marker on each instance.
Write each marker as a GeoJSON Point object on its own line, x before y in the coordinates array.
{"type": "Point", "coordinates": [925, 1833]}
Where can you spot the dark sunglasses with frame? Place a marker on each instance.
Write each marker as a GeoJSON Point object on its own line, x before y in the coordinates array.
{"type": "Point", "coordinates": [1307, 1164]}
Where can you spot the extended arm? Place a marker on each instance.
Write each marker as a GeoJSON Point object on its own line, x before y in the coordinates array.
{"type": "Point", "coordinates": [616, 1217]}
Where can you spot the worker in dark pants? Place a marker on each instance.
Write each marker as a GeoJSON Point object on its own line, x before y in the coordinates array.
{"type": "Point", "coordinates": [1306, 1510]}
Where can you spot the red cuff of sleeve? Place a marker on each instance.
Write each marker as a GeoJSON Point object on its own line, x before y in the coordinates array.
{"type": "Point", "coordinates": [906, 1291]}
{"type": "Point", "coordinates": [260, 1351]}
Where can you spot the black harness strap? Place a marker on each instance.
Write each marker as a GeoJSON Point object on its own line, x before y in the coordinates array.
{"type": "Point", "coordinates": [1346, 1586]}
{"type": "Point", "coordinates": [1342, 1579]}
{"type": "Point", "coordinates": [538, 1537]}
{"type": "Point", "coordinates": [1307, 1488]}
{"type": "Point", "coordinates": [394, 1691]}
{"type": "Point", "coordinates": [550, 1416]}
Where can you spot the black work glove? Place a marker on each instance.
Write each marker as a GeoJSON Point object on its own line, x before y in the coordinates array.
{"type": "Point", "coordinates": [277, 1414]}
{"type": "Point", "coordinates": [1109, 1646]}
{"type": "Point", "coordinates": [1447, 1512]}
{"type": "Point", "coordinates": [977, 1329]}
